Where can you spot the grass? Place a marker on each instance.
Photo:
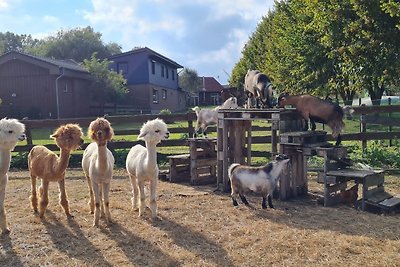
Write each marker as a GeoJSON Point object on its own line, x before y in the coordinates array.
{"type": "Point", "coordinates": [198, 227]}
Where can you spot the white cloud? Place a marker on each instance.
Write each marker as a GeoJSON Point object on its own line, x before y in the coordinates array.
{"type": "Point", "coordinates": [4, 5]}
{"type": "Point", "coordinates": [50, 19]}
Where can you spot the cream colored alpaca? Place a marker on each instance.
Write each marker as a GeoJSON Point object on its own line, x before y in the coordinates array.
{"type": "Point", "coordinates": [46, 165]}
{"type": "Point", "coordinates": [11, 131]}
{"type": "Point", "coordinates": [141, 164]}
{"type": "Point", "coordinates": [98, 163]}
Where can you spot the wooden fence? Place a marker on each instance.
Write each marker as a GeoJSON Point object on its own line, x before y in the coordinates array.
{"type": "Point", "coordinates": [364, 112]}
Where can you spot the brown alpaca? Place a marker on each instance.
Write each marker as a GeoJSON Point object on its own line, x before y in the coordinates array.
{"type": "Point", "coordinates": [46, 165]}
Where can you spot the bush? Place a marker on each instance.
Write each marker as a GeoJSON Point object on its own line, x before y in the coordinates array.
{"type": "Point", "coordinates": [165, 112]}
{"type": "Point", "coordinates": [378, 155]}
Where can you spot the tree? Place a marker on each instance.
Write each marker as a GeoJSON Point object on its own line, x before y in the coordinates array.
{"type": "Point", "coordinates": [106, 85]}
{"type": "Point", "coordinates": [340, 47]}
{"type": "Point", "coordinates": [189, 81]}
{"type": "Point", "coordinates": [13, 42]}
{"type": "Point", "coordinates": [78, 44]}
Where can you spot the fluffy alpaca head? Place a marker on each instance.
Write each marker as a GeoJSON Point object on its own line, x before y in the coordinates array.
{"type": "Point", "coordinates": [11, 131]}
{"type": "Point", "coordinates": [100, 131]}
{"type": "Point", "coordinates": [68, 136]}
{"type": "Point", "coordinates": [154, 131]}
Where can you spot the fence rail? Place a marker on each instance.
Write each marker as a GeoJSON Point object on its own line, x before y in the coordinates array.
{"type": "Point", "coordinates": [190, 118]}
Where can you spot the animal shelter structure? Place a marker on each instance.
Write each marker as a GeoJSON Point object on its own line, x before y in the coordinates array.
{"type": "Point", "coordinates": [234, 146]}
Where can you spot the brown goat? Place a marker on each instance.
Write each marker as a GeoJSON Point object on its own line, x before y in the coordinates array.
{"type": "Point", "coordinates": [314, 110]}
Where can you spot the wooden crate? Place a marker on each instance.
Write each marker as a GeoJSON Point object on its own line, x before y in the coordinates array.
{"type": "Point", "coordinates": [179, 168]}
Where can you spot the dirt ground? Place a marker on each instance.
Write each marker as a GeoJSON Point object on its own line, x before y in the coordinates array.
{"type": "Point", "coordinates": [197, 227]}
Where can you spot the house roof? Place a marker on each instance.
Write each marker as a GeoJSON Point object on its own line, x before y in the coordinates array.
{"type": "Point", "coordinates": [210, 84]}
{"type": "Point", "coordinates": [69, 64]}
{"type": "Point", "coordinates": [153, 54]}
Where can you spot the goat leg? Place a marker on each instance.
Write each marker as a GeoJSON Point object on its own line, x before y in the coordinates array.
{"type": "Point", "coordinates": [264, 203]}
{"type": "Point", "coordinates": [338, 140]}
{"type": "Point", "coordinates": [244, 200]}
{"type": "Point", "coordinates": [270, 202]}
{"type": "Point", "coordinates": [234, 202]}
{"type": "Point", "coordinates": [313, 126]}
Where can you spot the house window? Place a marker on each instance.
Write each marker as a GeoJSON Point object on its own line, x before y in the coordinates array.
{"type": "Point", "coordinates": [162, 71]}
{"type": "Point", "coordinates": [122, 67]}
{"type": "Point", "coordinates": [172, 75]}
{"type": "Point", "coordinates": [65, 90]}
{"type": "Point", "coordinates": [166, 71]}
{"type": "Point", "coordinates": [153, 67]}
{"type": "Point", "coordinates": [155, 96]}
{"type": "Point", "coordinates": [164, 93]}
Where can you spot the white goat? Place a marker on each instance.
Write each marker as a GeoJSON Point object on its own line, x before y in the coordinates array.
{"type": "Point", "coordinates": [141, 164]}
{"type": "Point", "coordinates": [258, 87]}
{"type": "Point", "coordinates": [207, 117]}
{"type": "Point", "coordinates": [263, 180]}
{"type": "Point", "coordinates": [11, 131]}
{"type": "Point", "coordinates": [98, 164]}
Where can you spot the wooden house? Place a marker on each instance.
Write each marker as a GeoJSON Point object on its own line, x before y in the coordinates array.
{"type": "Point", "coordinates": [152, 80]}
{"type": "Point", "coordinates": [209, 93]}
{"type": "Point", "coordinates": [42, 88]}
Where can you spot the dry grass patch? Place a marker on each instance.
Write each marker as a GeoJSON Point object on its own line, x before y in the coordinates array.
{"type": "Point", "coordinates": [197, 228]}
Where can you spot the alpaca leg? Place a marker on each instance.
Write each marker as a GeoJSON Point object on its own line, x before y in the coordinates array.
{"type": "Point", "coordinates": [43, 197]}
{"type": "Point", "coordinates": [264, 202]}
{"type": "Point", "coordinates": [91, 201]}
{"type": "Point", "coordinates": [142, 204]}
{"type": "Point", "coordinates": [102, 214]}
{"type": "Point", "coordinates": [135, 192]}
{"type": "Point", "coordinates": [106, 191]}
{"type": "Point", "coordinates": [3, 220]}
{"type": "Point", "coordinates": [34, 199]}
{"type": "Point", "coordinates": [270, 202]}
{"type": "Point", "coordinates": [64, 198]}
{"type": "Point", "coordinates": [244, 200]}
{"type": "Point", "coordinates": [96, 192]}
{"type": "Point", "coordinates": [153, 198]}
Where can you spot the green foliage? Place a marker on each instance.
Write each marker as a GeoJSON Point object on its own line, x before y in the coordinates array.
{"type": "Point", "coordinates": [165, 112]}
{"type": "Point", "coordinates": [326, 48]}
{"type": "Point", "coordinates": [14, 42]}
{"type": "Point", "coordinates": [19, 161]}
{"type": "Point", "coordinates": [189, 80]}
{"type": "Point", "coordinates": [105, 84]}
{"type": "Point", "coordinates": [77, 44]}
{"type": "Point", "coordinates": [378, 155]}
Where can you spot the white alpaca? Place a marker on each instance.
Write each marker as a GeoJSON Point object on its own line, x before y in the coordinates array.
{"type": "Point", "coordinates": [11, 131]}
{"type": "Point", "coordinates": [98, 164]}
{"type": "Point", "coordinates": [141, 164]}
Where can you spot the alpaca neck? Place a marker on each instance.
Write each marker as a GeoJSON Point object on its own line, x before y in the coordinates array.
{"type": "Point", "coordinates": [5, 158]}
{"type": "Point", "coordinates": [102, 161]}
{"type": "Point", "coordinates": [151, 154]}
{"type": "Point", "coordinates": [62, 162]}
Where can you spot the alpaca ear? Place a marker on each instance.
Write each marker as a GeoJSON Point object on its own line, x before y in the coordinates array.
{"type": "Point", "coordinates": [142, 135]}
{"type": "Point", "coordinates": [54, 136]}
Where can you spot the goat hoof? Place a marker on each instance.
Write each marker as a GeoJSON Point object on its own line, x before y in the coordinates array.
{"type": "Point", "coordinates": [5, 231]}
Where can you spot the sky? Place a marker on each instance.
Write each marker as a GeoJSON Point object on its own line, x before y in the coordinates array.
{"type": "Point", "coordinates": [204, 35]}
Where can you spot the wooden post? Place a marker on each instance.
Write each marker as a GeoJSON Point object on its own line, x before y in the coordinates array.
{"type": "Point", "coordinates": [220, 150]}
{"type": "Point", "coordinates": [226, 156]}
{"type": "Point", "coordinates": [363, 130]}
{"type": "Point", "coordinates": [28, 134]}
{"type": "Point", "coordinates": [193, 161]}
{"type": "Point", "coordinates": [190, 129]}
{"type": "Point", "coordinates": [390, 116]}
{"type": "Point", "coordinates": [274, 137]}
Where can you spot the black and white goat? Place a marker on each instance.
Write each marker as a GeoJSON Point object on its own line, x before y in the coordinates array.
{"type": "Point", "coordinates": [258, 87]}
{"type": "Point", "coordinates": [261, 180]}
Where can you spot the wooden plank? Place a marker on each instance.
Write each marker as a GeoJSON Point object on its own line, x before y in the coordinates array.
{"type": "Point", "coordinates": [377, 194]}
{"type": "Point", "coordinates": [390, 202]}
{"type": "Point", "coordinates": [352, 173]}
{"type": "Point", "coordinates": [375, 179]}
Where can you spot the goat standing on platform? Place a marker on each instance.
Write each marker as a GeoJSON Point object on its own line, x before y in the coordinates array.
{"type": "Point", "coordinates": [258, 87]}
{"type": "Point", "coordinates": [207, 117]}
{"type": "Point", "coordinates": [263, 180]}
{"type": "Point", "coordinates": [314, 110]}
